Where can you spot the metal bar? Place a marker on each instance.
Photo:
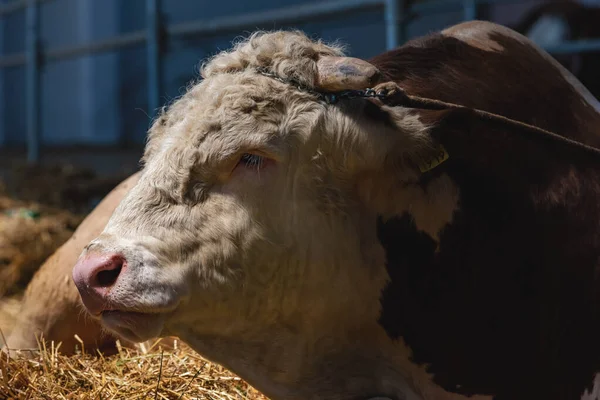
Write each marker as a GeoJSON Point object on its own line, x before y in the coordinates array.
{"type": "Point", "coordinates": [32, 77]}
{"type": "Point", "coordinates": [13, 60]}
{"type": "Point", "coordinates": [15, 6]}
{"type": "Point", "coordinates": [139, 37]}
{"type": "Point", "coordinates": [469, 10]}
{"type": "Point", "coordinates": [129, 39]}
{"type": "Point", "coordinates": [394, 25]}
{"type": "Point", "coordinates": [576, 46]}
{"type": "Point", "coordinates": [153, 56]}
{"type": "Point", "coordinates": [287, 15]}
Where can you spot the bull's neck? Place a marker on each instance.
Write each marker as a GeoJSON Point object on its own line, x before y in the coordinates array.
{"type": "Point", "coordinates": [289, 364]}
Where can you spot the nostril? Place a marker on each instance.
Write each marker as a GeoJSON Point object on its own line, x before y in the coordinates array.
{"type": "Point", "coordinates": [108, 277]}
{"type": "Point", "coordinates": [108, 273]}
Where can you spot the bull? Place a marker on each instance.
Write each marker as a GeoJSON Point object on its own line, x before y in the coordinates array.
{"type": "Point", "coordinates": [356, 248]}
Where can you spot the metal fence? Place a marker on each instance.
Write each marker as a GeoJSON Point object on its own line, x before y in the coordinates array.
{"type": "Point", "coordinates": [397, 15]}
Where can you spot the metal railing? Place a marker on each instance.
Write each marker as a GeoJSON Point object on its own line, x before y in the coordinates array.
{"type": "Point", "coordinates": [396, 17]}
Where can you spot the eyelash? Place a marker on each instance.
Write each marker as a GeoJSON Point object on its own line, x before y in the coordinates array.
{"type": "Point", "coordinates": [252, 160]}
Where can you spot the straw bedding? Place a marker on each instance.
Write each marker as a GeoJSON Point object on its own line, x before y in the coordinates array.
{"type": "Point", "coordinates": [154, 373]}
{"type": "Point", "coordinates": [29, 233]}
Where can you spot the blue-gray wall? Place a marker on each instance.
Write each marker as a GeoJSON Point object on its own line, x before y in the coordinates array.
{"type": "Point", "coordinates": [101, 99]}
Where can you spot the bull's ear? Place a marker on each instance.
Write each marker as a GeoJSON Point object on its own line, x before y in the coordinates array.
{"type": "Point", "coordinates": [345, 73]}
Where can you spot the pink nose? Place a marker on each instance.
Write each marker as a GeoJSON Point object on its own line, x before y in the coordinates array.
{"type": "Point", "coordinates": [95, 275]}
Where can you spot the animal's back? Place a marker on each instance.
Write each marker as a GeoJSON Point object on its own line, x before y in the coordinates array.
{"type": "Point", "coordinates": [506, 302]}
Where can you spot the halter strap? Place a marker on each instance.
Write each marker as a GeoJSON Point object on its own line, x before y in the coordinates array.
{"type": "Point", "coordinates": [399, 97]}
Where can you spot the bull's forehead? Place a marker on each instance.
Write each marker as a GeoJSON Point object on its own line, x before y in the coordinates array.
{"type": "Point", "coordinates": [226, 114]}
{"type": "Point", "coordinates": [244, 107]}
{"type": "Point", "coordinates": [217, 104]}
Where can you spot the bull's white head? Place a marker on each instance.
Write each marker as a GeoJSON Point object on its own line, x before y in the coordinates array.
{"type": "Point", "coordinates": [251, 233]}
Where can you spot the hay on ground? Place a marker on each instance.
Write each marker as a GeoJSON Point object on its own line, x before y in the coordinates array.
{"type": "Point", "coordinates": [29, 233]}
{"type": "Point", "coordinates": [9, 313]}
{"type": "Point", "coordinates": [155, 373]}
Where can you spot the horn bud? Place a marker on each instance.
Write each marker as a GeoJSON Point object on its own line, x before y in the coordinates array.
{"type": "Point", "coordinates": [345, 73]}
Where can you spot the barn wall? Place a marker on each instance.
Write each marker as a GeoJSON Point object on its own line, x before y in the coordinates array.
{"type": "Point", "coordinates": [102, 99]}
{"type": "Point", "coordinates": [12, 123]}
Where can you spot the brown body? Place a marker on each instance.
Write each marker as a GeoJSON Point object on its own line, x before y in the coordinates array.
{"type": "Point", "coordinates": [509, 297]}
{"type": "Point", "coordinates": [51, 306]}
{"type": "Point", "coordinates": [298, 243]}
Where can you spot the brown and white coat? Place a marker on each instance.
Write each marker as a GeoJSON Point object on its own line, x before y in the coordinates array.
{"type": "Point", "coordinates": [297, 242]}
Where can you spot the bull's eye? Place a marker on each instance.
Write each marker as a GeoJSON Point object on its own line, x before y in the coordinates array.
{"type": "Point", "coordinates": [252, 161]}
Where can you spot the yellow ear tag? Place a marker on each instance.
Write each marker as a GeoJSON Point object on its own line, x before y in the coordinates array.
{"type": "Point", "coordinates": [440, 156]}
